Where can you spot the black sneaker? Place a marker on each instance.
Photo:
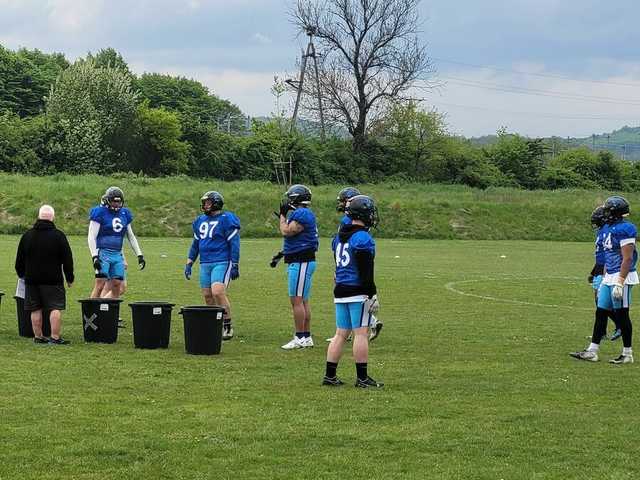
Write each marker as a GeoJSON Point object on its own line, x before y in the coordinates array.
{"type": "Point", "coordinates": [121, 323]}
{"type": "Point", "coordinates": [368, 383]}
{"type": "Point", "coordinates": [332, 381]}
{"type": "Point", "coordinates": [58, 341]}
{"type": "Point", "coordinates": [40, 340]}
{"type": "Point", "coordinates": [227, 332]}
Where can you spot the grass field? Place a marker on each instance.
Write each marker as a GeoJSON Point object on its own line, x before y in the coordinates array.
{"type": "Point", "coordinates": [473, 354]}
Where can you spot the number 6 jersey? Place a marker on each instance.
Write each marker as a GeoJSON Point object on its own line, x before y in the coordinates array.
{"type": "Point", "coordinates": [216, 238]}
{"type": "Point", "coordinates": [113, 226]}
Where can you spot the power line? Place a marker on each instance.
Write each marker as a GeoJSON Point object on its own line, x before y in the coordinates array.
{"type": "Point", "coordinates": [540, 93]}
{"type": "Point", "coordinates": [535, 74]}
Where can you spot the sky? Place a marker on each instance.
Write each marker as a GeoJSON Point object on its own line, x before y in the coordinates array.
{"type": "Point", "coordinates": [537, 67]}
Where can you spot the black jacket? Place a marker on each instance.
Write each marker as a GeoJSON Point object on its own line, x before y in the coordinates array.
{"type": "Point", "coordinates": [364, 261]}
{"type": "Point", "coordinates": [43, 253]}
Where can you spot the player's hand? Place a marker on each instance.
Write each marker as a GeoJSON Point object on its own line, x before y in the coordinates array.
{"type": "Point", "coordinates": [374, 305]}
{"type": "Point", "coordinates": [590, 279]}
{"type": "Point", "coordinates": [97, 264]}
{"type": "Point", "coordinates": [284, 208]}
{"type": "Point", "coordinates": [141, 262]}
{"type": "Point", "coordinates": [276, 259]}
{"type": "Point", "coordinates": [235, 271]}
{"type": "Point", "coordinates": [617, 292]}
{"type": "Point", "coordinates": [187, 271]}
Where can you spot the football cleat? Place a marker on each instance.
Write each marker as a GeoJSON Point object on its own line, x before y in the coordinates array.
{"type": "Point", "coordinates": [308, 342]}
{"type": "Point", "coordinates": [332, 381]}
{"type": "Point", "coordinates": [622, 359]}
{"type": "Point", "coordinates": [368, 383]}
{"type": "Point", "coordinates": [375, 330]}
{"type": "Point", "coordinates": [58, 341]}
{"type": "Point", "coordinates": [587, 355]}
{"type": "Point", "coordinates": [617, 333]}
{"type": "Point", "coordinates": [227, 332]}
{"type": "Point", "coordinates": [294, 343]}
{"type": "Point", "coordinates": [40, 340]}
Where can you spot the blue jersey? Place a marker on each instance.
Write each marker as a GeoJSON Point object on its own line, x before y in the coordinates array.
{"type": "Point", "coordinates": [216, 238]}
{"type": "Point", "coordinates": [307, 240]}
{"type": "Point", "coordinates": [616, 236]}
{"type": "Point", "coordinates": [113, 226]}
{"type": "Point", "coordinates": [599, 253]}
{"type": "Point", "coordinates": [346, 268]}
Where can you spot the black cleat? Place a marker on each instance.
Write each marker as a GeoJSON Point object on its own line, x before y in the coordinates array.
{"type": "Point", "coordinates": [227, 332]}
{"type": "Point", "coordinates": [58, 341]}
{"type": "Point", "coordinates": [40, 340]}
{"type": "Point", "coordinates": [332, 381]}
{"type": "Point", "coordinates": [368, 383]}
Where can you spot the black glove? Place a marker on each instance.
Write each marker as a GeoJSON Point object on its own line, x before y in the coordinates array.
{"type": "Point", "coordinates": [285, 207]}
{"type": "Point", "coordinates": [590, 279]}
{"type": "Point", "coordinates": [141, 262]}
{"type": "Point", "coordinates": [235, 271]}
{"type": "Point", "coordinates": [275, 259]}
{"type": "Point", "coordinates": [97, 264]}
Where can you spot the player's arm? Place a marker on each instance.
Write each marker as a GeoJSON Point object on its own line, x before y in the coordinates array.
{"type": "Point", "coordinates": [627, 258]}
{"type": "Point", "coordinates": [92, 237]}
{"type": "Point", "coordinates": [133, 241]}
{"type": "Point", "coordinates": [290, 229]}
{"type": "Point", "coordinates": [364, 262]}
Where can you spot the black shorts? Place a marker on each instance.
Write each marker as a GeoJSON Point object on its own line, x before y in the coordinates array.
{"type": "Point", "coordinates": [44, 297]}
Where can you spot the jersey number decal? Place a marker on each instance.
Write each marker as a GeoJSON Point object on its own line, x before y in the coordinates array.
{"type": "Point", "coordinates": [342, 255]}
{"type": "Point", "coordinates": [606, 243]}
{"type": "Point", "coordinates": [116, 224]}
{"type": "Point", "coordinates": [206, 229]}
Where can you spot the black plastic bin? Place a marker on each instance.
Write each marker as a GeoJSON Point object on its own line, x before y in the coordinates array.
{"type": "Point", "coordinates": [25, 329]}
{"type": "Point", "coordinates": [100, 319]}
{"type": "Point", "coordinates": [202, 329]}
{"type": "Point", "coordinates": [151, 324]}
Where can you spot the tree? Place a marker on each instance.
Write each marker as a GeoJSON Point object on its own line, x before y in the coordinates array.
{"type": "Point", "coordinates": [111, 58]}
{"type": "Point", "coordinates": [518, 158]}
{"type": "Point", "coordinates": [371, 58]}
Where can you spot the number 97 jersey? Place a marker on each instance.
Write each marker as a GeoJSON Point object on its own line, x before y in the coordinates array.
{"type": "Point", "coordinates": [113, 226]}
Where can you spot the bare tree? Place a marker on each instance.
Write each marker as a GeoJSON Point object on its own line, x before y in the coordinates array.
{"type": "Point", "coordinates": [371, 58]}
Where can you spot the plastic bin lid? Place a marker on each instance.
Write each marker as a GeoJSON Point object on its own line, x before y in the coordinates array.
{"type": "Point", "coordinates": [202, 308]}
{"type": "Point", "coordinates": [151, 304]}
{"type": "Point", "coordinates": [100, 300]}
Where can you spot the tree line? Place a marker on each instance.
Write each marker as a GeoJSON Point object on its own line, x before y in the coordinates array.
{"type": "Point", "coordinates": [96, 116]}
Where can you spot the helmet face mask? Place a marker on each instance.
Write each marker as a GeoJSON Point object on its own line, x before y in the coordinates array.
{"type": "Point", "coordinates": [615, 208]}
{"type": "Point", "coordinates": [299, 195]}
{"type": "Point", "coordinates": [598, 218]}
{"type": "Point", "coordinates": [211, 201]}
{"type": "Point", "coordinates": [344, 196]}
{"type": "Point", "coordinates": [113, 198]}
{"type": "Point", "coordinates": [363, 208]}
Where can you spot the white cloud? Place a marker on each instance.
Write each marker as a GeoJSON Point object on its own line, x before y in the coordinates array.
{"type": "Point", "coordinates": [72, 15]}
{"type": "Point", "coordinates": [262, 39]}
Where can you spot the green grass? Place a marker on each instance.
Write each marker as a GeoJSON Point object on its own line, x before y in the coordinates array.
{"type": "Point", "coordinates": [476, 388]}
{"type": "Point", "coordinates": [167, 206]}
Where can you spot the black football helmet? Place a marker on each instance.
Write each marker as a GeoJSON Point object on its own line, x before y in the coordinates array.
{"type": "Point", "coordinates": [344, 196]}
{"type": "Point", "coordinates": [615, 208]}
{"type": "Point", "coordinates": [299, 195]}
{"type": "Point", "coordinates": [103, 200]}
{"type": "Point", "coordinates": [362, 207]}
{"type": "Point", "coordinates": [597, 217]}
{"type": "Point", "coordinates": [114, 198]}
{"type": "Point", "coordinates": [217, 201]}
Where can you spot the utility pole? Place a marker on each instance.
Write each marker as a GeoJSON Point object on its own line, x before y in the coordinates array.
{"type": "Point", "coordinates": [298, 84]}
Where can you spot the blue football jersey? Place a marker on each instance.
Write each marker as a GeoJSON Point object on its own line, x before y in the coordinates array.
{"type": "Point", "coordinates": [216, 238]}
{"type": "Point", "coordinates": [113, 226]}
{"type": "Point", "coordinates": [346, 220]}
{"type": "Point", "coordinates": [616, 236]}
{"type": "Point", "coordinates": [599, 253]}
{"type": "Point", "coordinates": [305, 240]}
{"type": "Point", "coordinates": [346, 268]}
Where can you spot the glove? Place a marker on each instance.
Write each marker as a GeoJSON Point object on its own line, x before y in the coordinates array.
{"type": "Point", "coordinates": [284, 207]}
{"type": "Point", "coordinates": [590, 279]}
{"type": "Point", "coordinates": [276, 259]}
{"type": "Point", "coordinates": [235, 271]}
{"type": "Point", "coordinates": [374, 305]}
{"type": "Point", "coordinates": [97, 264]}
{"type": "Point", "coordinates": [618, 290]}
{"type": "Point", "coordinates": [141, 262]}
{"type": "Point", "coordinates": [187, 271]}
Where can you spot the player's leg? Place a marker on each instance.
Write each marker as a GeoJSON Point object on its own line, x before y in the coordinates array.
{"type": "Point", "coordinates": [334, 350]}
{"type": "Point", "coordinates": [605, 304]}
{"type": "Point", "coordinates": [621, 312]}
{"type": "Point", "coordinates": [295, 273]}
{"type": "Point", "coordinates": [98, 287]}
{"type": "Point", "coordinates": [115, 287]}
{"type": "Point", "coordinates": [309, 270]}
{"type": "Point", "coordinates": [360, 320]}
{"type": "Point", "coordinates": [102, 276]}
{"type": "Point", "coordinates": [33, 305]}
{"type": "Point", "coordinates": [205, 283]}
{"type": "Point", "coordinates": [220, 278]}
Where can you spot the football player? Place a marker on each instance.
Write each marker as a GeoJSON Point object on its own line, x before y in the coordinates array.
{"type": "Point", "coordinates": [216, 239]}
{"type": "Point", "coordinates": [109, 223]}
{"type": "Point", "coordinates": [355, 293]}
{"type": "Point", "coordinates": [299, 229]}
{"type": "Point", "coordinates": [595, 277]}
{"type": "Point", "coordinates": [619, 276]}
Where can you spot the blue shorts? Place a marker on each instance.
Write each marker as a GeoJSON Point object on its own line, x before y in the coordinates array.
{"type": "Point", "coordinates": [300, 276]}
{"type": "Point", "coordinates": [352, 315]}
{"type": "Point", "coordinates": [112, 265]}
{"type": "Point", "coordinates": [607, 302]}
{"type": "Point", "coordinates": [597, 281]}
{"type": "Point", "coordinates": [217, 272]}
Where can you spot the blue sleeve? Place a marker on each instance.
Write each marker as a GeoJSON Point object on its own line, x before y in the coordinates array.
{"type": "Point", "coordinates": [129, 216]}
{"type": "Point", "coordinates": [235, 248]}
{"type": "Point", "coordinates": [232, 234]}
{"type": "Point", "coordinates": [300, 215]}
{"type": "Point", "coordinates": [363, 241]}
{"type": "Point", "coordinates": [630, 231]}
{"type": "Point", "coordinates": [195, 245]}
{"type": "Point", "coordinates": [96, 214]}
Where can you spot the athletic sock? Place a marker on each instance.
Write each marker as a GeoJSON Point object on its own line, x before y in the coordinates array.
{"type": "Point", "coordinates": [627, 351]}
{"type": "Point", "coordinates": [226, 322]}
{"type": "Point", "coordinates": [331, 369]}
{"type": "Point", "coordinates": [300, 334]}
{"type": "Point", "coordinates": [306, 334]}
{"type": "Point", "coordinates": [361, 371]}
{"type": "Point", "coordinates": [593, 347]}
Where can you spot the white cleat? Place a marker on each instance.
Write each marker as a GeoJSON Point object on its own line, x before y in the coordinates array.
{"type": "Point", "coordinates": [587, 355]}
{"type": "Point", "coordinates": [295, 343]}
{"type": "Point", "coordinates": [308, 342]}
{"type": "Point", "coordinates": [622, 359]}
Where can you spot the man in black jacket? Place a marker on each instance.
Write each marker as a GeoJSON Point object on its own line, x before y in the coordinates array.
{"type": "Point", "coordinates": [43, 254]}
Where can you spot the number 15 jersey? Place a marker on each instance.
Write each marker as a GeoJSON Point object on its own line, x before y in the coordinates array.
{"type": "Point", "coordinates": [113, 226]}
